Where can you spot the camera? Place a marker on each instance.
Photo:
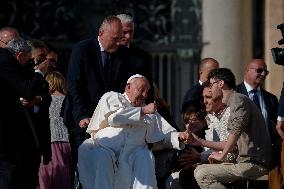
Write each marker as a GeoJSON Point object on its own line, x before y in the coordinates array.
{"type": "Point", "coordinates": [278, 53]}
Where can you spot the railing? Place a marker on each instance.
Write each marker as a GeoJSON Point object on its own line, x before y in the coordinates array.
{"type": "Point", "coordinates": [174, 75]}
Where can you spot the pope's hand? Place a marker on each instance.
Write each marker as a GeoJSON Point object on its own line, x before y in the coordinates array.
{"type": "Point", "coordinates": [183, 136]}
{"type": "Point", "coordinates": [149, 109]}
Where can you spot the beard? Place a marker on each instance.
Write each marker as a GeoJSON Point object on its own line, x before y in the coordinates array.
{"type": "Point", "coordinates": [218, 96]}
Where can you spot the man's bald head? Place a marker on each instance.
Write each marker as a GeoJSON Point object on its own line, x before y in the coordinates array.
{"type": "Point", "coordinates": [110, 34]}
{"type": "Point", "coordinates": [7, 34]}
{"type": "Point", "coordinates": [206, 66]}
{"type": "Point", "coordinates": [256, 72]}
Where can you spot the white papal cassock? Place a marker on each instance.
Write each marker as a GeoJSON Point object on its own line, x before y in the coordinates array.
{"type": "Point", "coordinates": [117, 156]}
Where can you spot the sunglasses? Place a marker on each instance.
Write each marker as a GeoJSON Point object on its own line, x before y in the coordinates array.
{"type": "Point", "coordinates": [261, 70]}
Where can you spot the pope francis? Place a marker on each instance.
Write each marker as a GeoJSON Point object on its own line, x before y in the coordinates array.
{"type": "Point", "coordinates": [117, 155]}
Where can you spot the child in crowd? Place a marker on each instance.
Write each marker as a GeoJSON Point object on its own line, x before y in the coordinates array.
{"type": "Point", "coordinates": [57, 174]}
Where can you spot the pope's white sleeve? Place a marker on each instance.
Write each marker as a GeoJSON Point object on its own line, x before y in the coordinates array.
{"type": "Point", "coordinates": [126, 116]}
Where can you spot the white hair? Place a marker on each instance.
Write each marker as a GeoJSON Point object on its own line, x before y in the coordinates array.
{"type": "Point", "coordinates": [125, 18]}
{"type": "Point", "coordinates": [18, 45]}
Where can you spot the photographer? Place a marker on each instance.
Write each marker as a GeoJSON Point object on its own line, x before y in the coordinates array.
{"type": "Point", "coordinates": [280, 119]}
{"type": "Point", "coordinates": [19, 153]}
{"type": "Point", "coordinates": [278, 57]}
{"type": "Point", "coordinates": [40, 111]}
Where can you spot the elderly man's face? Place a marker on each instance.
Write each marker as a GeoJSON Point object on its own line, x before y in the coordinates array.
{"type": "Point", "coordinates": [137, 91]}
{"type": "Point", "coordinates": [110, 36]}
{"type": "Point", "coordinates": [128, 32]}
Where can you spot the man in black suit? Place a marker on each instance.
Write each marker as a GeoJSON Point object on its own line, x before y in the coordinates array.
{"type": "Point", "coordinates": [195, 93]}
{"type": "Point", "coordinates": [140, 61]}
{"type": "Point", "coordinates": [40, 112]}
{"type": "Point", "coordinates": [254, 77]}
{"type": "Point", "coordinates": [97, 65]}
{"type": "Point", "coordinates": [280, 129]}
{"type": "Point", "coordinates": [280, 118]}
{"type": "Point", "coordinates": [19, 150]}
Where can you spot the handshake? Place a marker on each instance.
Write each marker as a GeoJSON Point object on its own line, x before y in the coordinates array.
{"type": "Point", "coordinates": [189, 138]}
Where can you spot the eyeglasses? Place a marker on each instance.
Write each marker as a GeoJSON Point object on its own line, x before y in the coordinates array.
{"type": "Point", "coordinates": [211, 84]}
{"type": "Point", "coordinates": [39, 61]}
{"type": "Point", "coordinates": [260, 70]}
{"type": "Point", "coordinates": [193, 120]}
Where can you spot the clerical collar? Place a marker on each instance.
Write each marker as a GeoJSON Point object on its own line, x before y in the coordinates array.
{"type": "Point", "coordinates": [101, 47]}
{"type": "Point", "coordinates": [125, 95]}
{"type": "Point", "coordinates": [249, 87]}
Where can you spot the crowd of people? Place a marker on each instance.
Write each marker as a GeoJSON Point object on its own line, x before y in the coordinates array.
{"type": "Point", "coordinates": [105, 126]}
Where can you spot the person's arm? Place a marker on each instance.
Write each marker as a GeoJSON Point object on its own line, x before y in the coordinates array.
{"type": "Point", "coordinates": [12, 75]}
{"type": "Point", "coordinates": [240, 113]}
{"type": "Point", "coordinates": [196, 141]}
{"type": "Point", "coordinates": [280, 128]}
{"type": "Point", "coordinates": [74, 79]}
{"type": "Point", "coordinates": [229, 145]}
{"type": "Point", "coordinates": [131, 115]}
{"type": "Point", "coordinates": [171, 138]}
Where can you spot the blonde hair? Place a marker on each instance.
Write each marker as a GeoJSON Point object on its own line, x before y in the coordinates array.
{"type": "Point", "coordinates": [56, 82]}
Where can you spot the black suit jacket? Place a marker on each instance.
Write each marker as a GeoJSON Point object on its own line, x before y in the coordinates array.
{"type": "Point", "coordinates": [86, 80]}
{"type": "Point", "coordinates": [140, 62]}
{"type": "Point", "coordinates": [194, 94]}
{"type": "Point", "coordinates": [15, 133]}
{"type": "Point", "coordinates": [41, 117]}
{"type": "Point", "coordinates": [270, 101]}
{"type": "Point", "coordinates": [281, 103]}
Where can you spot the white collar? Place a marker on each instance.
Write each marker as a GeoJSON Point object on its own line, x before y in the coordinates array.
{"type": "Point", "coordinates": [101, 47]}
{"type": "Point", "coordinates": [127, 98]}
{"type": "Point", "coordinates": [249, 87]}
{"type": "Point", "coordinates": [38, 71]}
{"type": "Point", "coordinates": [200, 82]}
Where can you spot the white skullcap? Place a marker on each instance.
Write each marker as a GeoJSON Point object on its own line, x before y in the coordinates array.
{"type": "Point", "coordinates": [133, 77]}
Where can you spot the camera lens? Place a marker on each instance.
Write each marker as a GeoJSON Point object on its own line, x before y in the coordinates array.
{"type": "Point", "coordinates": [278, 55]}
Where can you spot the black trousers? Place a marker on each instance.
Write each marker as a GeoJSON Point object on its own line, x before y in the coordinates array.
{"type": "Point", "coordinates": [21, 172]}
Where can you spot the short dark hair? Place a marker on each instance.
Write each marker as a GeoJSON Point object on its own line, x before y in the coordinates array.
{"type": "Point", "coordinates": [195, 107]}
{"type": "Point", "coordinates": [36, 44]}
{"type": "Point", "coordinates": [224, 74]}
